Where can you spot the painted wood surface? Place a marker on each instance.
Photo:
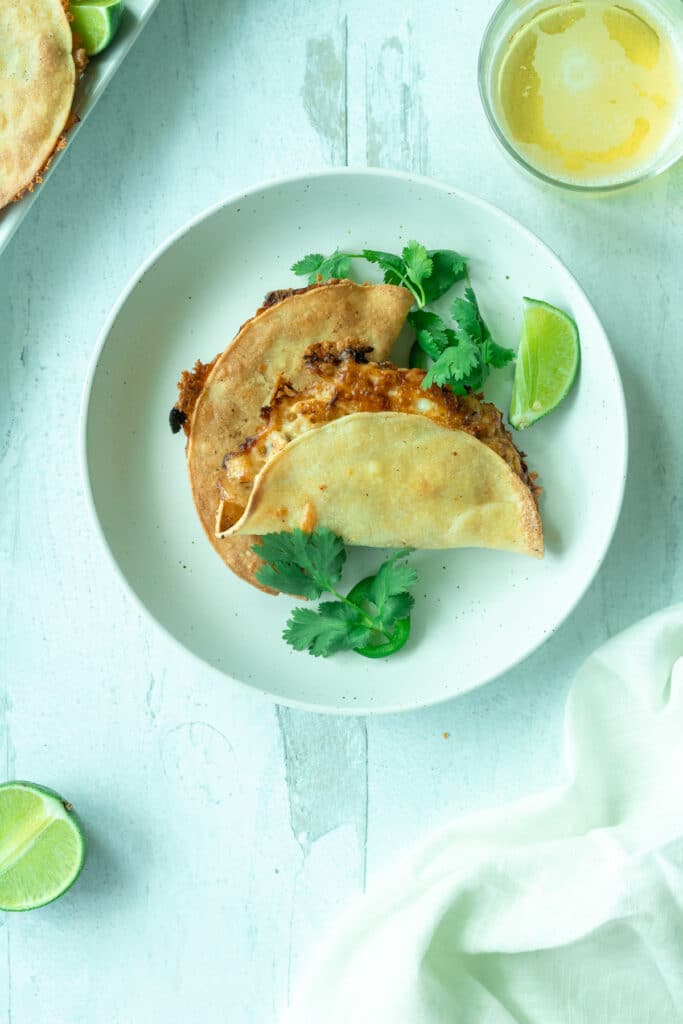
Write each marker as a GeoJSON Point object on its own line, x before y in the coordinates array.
{"type": "Point", "coordinates": [225, 833]}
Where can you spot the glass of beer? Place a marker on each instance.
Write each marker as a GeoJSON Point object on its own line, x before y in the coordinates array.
{"type": "Point", "coordinates": [587, 94]}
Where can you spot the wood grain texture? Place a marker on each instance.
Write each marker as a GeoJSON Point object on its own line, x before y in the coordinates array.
{"type": "Point", "coordinates": [224, 835]}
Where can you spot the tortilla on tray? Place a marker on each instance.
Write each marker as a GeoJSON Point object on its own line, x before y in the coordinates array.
{"type": "Point", "coordinates": [37, 81]}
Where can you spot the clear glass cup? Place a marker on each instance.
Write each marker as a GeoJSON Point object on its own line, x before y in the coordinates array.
{"type": "Point", "coordinates": [512, 15]}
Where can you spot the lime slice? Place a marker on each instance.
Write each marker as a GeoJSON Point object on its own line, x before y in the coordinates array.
{"type": "Point", "coordinates": [95, 22]}
{"type": "Point", "coordinates": [547, 361]}
{"type": "Point", "coordinates": [42, 846]}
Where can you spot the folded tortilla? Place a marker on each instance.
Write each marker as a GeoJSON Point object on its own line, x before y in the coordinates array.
{"type": "Point", "coordinates": [391, 479]}
{"type": "Point", "coordinates": [268, 348]}
{"type": "Point", "coordinates": [37, 82]}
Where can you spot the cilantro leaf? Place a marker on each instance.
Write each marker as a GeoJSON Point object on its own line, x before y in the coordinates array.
{"type": "Point", "coordinates": [495, 355]}
{"type": "Point", "coordinates": [408, 270]}
{"type": "Point", "coordinates": [319, 267]}
{"type": "Point", "coordinates": [474, 381]}
{"type": "Point", "coordinates": [335, 626]}
{"type": "Point", "coordinates": [455, 363]}
{"type": "Point", "coordinates": [308, 265]}
{"type": "Point", "coordinates": [395, 270]}
{"type": "Point", "coordinates": [448, 267]}
{"type": "Point", "coordinates": [398, 606]}
{"type": "Point", "coordinates": [303, 564]}
{"type": "Point", "coordinates": [388, 590]}
{"type": "Point", "coordinates": [336, 265]}
{"type": "Point", "coordinates": [471, 297]}
{"type": "Point", "coordinates": [426, 274]}
{"type": "Point", "coordinates": [430, 331]}
{"type": "Point", "coordinates": [466, 314]}
{"type": "Point", "coordinates": [467, 350]}
{"type": "Point", "coordinates": [418, 358]}
{"type": "Point", "coordinates": [370, 620]}
{"type": "Point", "coordinates": [417, 261]}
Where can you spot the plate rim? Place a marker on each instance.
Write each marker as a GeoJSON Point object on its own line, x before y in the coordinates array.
{"type": "Point", "coordinates": [361, 708]}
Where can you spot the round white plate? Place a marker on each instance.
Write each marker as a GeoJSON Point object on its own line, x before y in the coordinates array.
{"type": "Point", "coordinates": [477, 613]}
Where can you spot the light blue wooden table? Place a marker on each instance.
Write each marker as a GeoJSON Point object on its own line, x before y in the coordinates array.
{"type": "Point", "coordinates": [224, 834]}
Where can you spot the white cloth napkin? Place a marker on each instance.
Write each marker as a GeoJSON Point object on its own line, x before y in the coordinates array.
{"type": "Point", "coordinates": [561, 909]}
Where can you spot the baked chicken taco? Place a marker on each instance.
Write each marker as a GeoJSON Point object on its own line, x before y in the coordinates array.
{"type": "Point", "coordinates": [365, 451]}
{"type": "Point", "coordinates": [220, 403]}
{"type": "Point", "coordinates": [303, 423]}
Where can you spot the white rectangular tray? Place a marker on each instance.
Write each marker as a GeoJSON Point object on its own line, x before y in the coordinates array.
{"type": "Point", "coordinates": [97, 75]}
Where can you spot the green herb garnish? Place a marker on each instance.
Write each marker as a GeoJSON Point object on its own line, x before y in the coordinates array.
{"type": "Point", "coordinates": [463, 354]}
{"type": "Point", "coordinates": [373, 619]}
{"type": "Point", "coordinates": [456, 365]}
{"type": "Point", "coordinates": [322, 268]}
{"type": "Point", "coordinates": [427, 274]}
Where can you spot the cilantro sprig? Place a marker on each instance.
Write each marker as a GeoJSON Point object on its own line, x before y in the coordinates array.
{"type": "Point", "coordinates": [428, 274]}
{"type": "Point", "coordinates": [463, 353]}
{"type": "Point", "coordinates": [373, 619]}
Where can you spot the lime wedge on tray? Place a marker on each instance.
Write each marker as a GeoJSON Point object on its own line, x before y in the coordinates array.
{"type": "Point", "coordinates": [547, 362]}
{"type": "Point", "coordinates": [95, 22]}
{"type": "Point", "coordinates": [42, 846]}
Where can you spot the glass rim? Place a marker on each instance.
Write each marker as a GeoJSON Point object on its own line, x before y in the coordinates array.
{"type": "Point", "coordinates": [483, 68]}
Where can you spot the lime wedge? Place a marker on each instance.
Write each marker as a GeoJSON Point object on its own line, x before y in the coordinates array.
{"type": "Point", "coordinates": [95, 22]}
{"type": "Point", "coordinates": [42, 846]}
{"type": "Point", "coordinates": [547, 362]}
